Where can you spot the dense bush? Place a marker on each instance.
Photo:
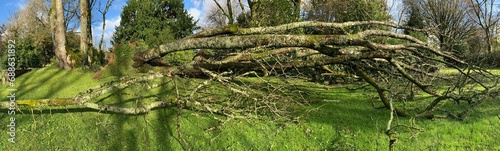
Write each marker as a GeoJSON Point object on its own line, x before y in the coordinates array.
{"type": "Point", "coordinates": [36, 52]}
{"type": "Point", "coordinates": [28, 54]}
{"type": "Point", "coordinates": [488, 60]}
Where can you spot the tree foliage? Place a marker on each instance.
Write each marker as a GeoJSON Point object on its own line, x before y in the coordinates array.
{"type": "Point", "coordinates": [154, 21]}
{"type": "Point", "coordinates": [271, 13]}
{"type": "Point", "coordinates": [345, 10]}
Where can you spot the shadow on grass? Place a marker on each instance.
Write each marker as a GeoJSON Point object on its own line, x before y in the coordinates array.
{"type": "Point", "coordinates": [148, 131]}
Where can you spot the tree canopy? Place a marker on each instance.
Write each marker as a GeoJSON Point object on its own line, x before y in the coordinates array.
{"type": "Point", "coordinates": [154, 21]}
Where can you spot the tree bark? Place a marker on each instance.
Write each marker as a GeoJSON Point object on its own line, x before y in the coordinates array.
{"type": "Point", "coordinates": [59, 34]}
{"type": "Point", "coordinates": [85, 32]}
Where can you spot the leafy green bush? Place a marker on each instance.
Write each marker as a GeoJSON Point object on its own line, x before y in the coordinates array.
{"type": "Point", "coordinates": [37, 51]}
{"type": "Point", "coordinates": [28, 55]}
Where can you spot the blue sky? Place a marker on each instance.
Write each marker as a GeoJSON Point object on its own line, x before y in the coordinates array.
{"type": "Point", "coordinates": [195, 8]}
{"type": "Point", "coordinates": [9, 7]}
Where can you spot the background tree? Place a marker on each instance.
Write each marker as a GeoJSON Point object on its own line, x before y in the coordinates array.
{"type": "Point", "coordinates": [103, 12]}
{"type": "Point", "coordinates": [270, 13]}
{"type": "Point", "coordinates": [223, 13]}
{"type": "Point", "coordinates": [58, 28]}
{"type": "Point", "coordinates": [154, 21]}
{"type": "Point", "coordinates": [346, 10]}
{"type": "Point", "coordinates": [483, 14]}
{"type": "Point", "coordinates": [3, 29]}
{"type": "Point", "coordinates": [413, 16]}
{"type": "Point", "coordinates": [85, 32]}
{"type": "Point", "coordinates": [453, 25]}
{"type": "Point", "coordinates": [30, 28]}
{"type": "Point", "coordinates": [71, 14]}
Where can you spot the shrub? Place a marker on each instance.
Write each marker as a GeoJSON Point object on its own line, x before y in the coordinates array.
{"type": "Point", "coordinates": [488, 60]}
{"type": "Point", "coordinates": [28, 55]}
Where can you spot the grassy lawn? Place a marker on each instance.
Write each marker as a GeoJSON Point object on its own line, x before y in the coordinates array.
{"type": "Point", "coordinates": [455, 71]}
{"type": "Point", "coordinates": [341, 119]}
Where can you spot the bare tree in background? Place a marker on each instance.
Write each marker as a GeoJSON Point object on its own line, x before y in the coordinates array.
{"type": "Point", "coordinates": [32, 20]}
{"type": "Point", "coordinates": [103, 12]}
{"type": "Point", "coordinates": [452, 23]}
{"type": "Point", "coordinates": [71, 14]}
{"type": "Point", "coordinates": [483, 14]}
{"type": "Point", "coordinates": [224, 12]}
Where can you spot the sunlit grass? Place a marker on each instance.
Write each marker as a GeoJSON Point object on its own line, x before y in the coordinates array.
{"type": "Point", "coordinates": [455, 71]}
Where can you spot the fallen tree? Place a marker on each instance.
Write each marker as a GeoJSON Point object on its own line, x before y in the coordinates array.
{"type": "Point", "coordinates": [397, 70]}
{"type": "Point", "coordinates": [372, 59]}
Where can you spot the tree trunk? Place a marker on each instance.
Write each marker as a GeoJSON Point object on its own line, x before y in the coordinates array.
{"type": "Point", "coordinates": [253, 4]}
{"type": "Point", "coordinates": [488, 41]}
{"type": "Point", "coordinates": [85, 32]}
{"type": "Point", "coordinates": [58, 28]}
{"type": "Point", "coordinates": [101, 42]}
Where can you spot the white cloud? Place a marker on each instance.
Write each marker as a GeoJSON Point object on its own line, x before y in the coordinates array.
{"type": "Point", "coordinates": [109, 30]}
{"type": "Point", "coordinates": [196, 13]}
{"type": "Point", "coordinates": [117, 4]}
{"type": "Point", "coordinates": [111, 24]}
{"type": "Point", "coordinates": [196, 2]}
{"type": "Point", "coordinates": [21, 4]}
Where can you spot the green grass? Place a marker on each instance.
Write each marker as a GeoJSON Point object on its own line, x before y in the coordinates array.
{"type": "Point", "coordinates": [51, 82]}
{"type": "Point", "coordinates": [339, 120]}
{"type": "Point", "coordinates": [455, 71]}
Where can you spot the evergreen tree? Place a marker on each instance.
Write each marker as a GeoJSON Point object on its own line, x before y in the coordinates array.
{"type": "Point", "coordinates": [414, 16]}
{"type": "Point", "coordinates": [270, 13]}
{"type": "Point", "coordinates": [154, 21]}
{"type": "Point", "coordinates": [344, 11]}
